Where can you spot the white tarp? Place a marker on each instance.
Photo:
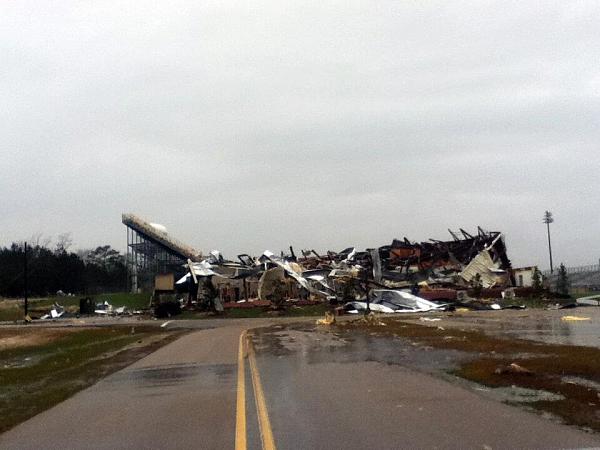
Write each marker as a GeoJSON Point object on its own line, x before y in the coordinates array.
{"type": "Point", "coordinates": [201, 269]}
{"type": "Point", "coordinates": [392, 301]}
{"type": "Point", "coordinates": [404, 301]}
{"type": "Point", "coordinates": [56, 312]}
{"type": "Point", "coordinates": [350, 256]}
{"type": "Point", "coordinates": [103, 308]}
{"type": "Point", "coordinates": [592, 300]}
{"type": "Point", "coordinates": [356, 307]}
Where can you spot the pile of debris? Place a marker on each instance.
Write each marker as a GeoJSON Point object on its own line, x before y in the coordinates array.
{"type": "Point", "coordinates": [87, 306]}
{"type": "Point", "coordinates": [106, 309]}
{"type": "Point", "coordinates": [404, 276]}
{"type": "Point", "coordinates": [56, 312]}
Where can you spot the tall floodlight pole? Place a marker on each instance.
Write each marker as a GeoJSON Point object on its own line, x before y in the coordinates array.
{"type": "Point", "coordinates": [548, 219]}
{"type": "Point", "coordinates": [25, 279]}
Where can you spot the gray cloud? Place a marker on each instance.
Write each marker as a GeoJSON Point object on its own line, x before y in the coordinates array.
{"type": "Point", "coordinates": [316, 124]}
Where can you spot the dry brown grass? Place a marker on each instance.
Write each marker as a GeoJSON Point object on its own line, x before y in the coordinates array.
{"type": "Point", "coordinates": [29, 337]}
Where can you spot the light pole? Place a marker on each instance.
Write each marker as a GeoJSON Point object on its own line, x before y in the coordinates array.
{"type": "Point", "coordinates": [548, 219]}
{"type": "Point", "coordinates": [25, 287]}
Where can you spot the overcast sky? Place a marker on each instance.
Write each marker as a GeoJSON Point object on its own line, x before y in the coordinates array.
{"type": "Point", "coordinates": [258, 125]}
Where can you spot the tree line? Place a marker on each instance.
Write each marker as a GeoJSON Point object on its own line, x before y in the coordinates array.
{"type": "Point", "coordinates": [50, 270]}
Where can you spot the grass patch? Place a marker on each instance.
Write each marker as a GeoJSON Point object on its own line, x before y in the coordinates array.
{"type": "Point", "coordinates": [131, 301]}
{"type": "Point", "coordinates": [587, 294]}
{"type": "Point", "coordinates": [308, 310]}
{"type": "Point", "coordinates": [60, 362]}
{"type": "Point", "coordinates": [46, 302]}
{"type": "Point", "coordinates": [12, 310]}
{"type": "Point", "coordinates": [570, 371]}
{"type": "Point", "coordinates": [533, 302]}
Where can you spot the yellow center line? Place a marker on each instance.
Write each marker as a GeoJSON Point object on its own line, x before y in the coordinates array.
{"type": "Point", "coordinates": [240, 416]}
{"type": "Point", "coordinates": [266, 434]}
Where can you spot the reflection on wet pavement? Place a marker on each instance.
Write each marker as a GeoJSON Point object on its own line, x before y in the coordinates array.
{"type": "Point", "coordinates": [309, 344]}
{"type": "Point", "coordinates": [538, 325]}
{"type": "Point", "coordinates": [173, 376]}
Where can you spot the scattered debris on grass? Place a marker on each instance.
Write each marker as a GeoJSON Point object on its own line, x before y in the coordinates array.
{"type": "Point", "coordinates": [328, 320]}
{"type": "Point", "coordinates": [513, 368]}
{"type": "Point", "coordinates": [574, 318]}
{"type": "Point", "coordinates": [55, 312]}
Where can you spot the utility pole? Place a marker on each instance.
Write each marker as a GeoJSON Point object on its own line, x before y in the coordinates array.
{"type": "Point", "coordinates": [25, 279]}
{"type": "Point", "coordinates": [548, 219]}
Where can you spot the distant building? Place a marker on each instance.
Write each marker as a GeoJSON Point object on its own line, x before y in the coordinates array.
{"type": "Point", "coordinates": [524, 276]}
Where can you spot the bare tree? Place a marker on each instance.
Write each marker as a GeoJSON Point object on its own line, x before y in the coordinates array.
{"type": "Point", "coordinates": [64, 241]}
{"type": "Point", "coordinates": [38, 240]}
{"type": "Point", "coordinates": [84, 253]}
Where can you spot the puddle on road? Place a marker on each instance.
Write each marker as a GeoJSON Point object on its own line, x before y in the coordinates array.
{"type": "Point", "coordinates": [176, 374]}
{"type": "Point", "coordinates": [160, 375]}
{"type": "Point", "coordinates": [304, 341]}
{"type": "Point", "coordinates": [314, 345]}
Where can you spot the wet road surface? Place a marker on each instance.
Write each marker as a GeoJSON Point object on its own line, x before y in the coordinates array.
{"type": "Point", "coordinates": [334, 389]}
{"type": "Point", "coordinates": [309, 387]}
{"type": "Point", "coordinates": [532, 324]}
{"type": "Point", "coordinates": [182, 396]}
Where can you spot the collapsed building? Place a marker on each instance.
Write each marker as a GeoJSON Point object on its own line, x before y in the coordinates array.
{"type": "Point", "coordinates": [457, 261]}
{"type": "Point", "coordinates": [465, 261]}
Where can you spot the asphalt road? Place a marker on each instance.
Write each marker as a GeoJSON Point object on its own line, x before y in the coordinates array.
{"type": "Point", "coordinates": [281, 388]}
